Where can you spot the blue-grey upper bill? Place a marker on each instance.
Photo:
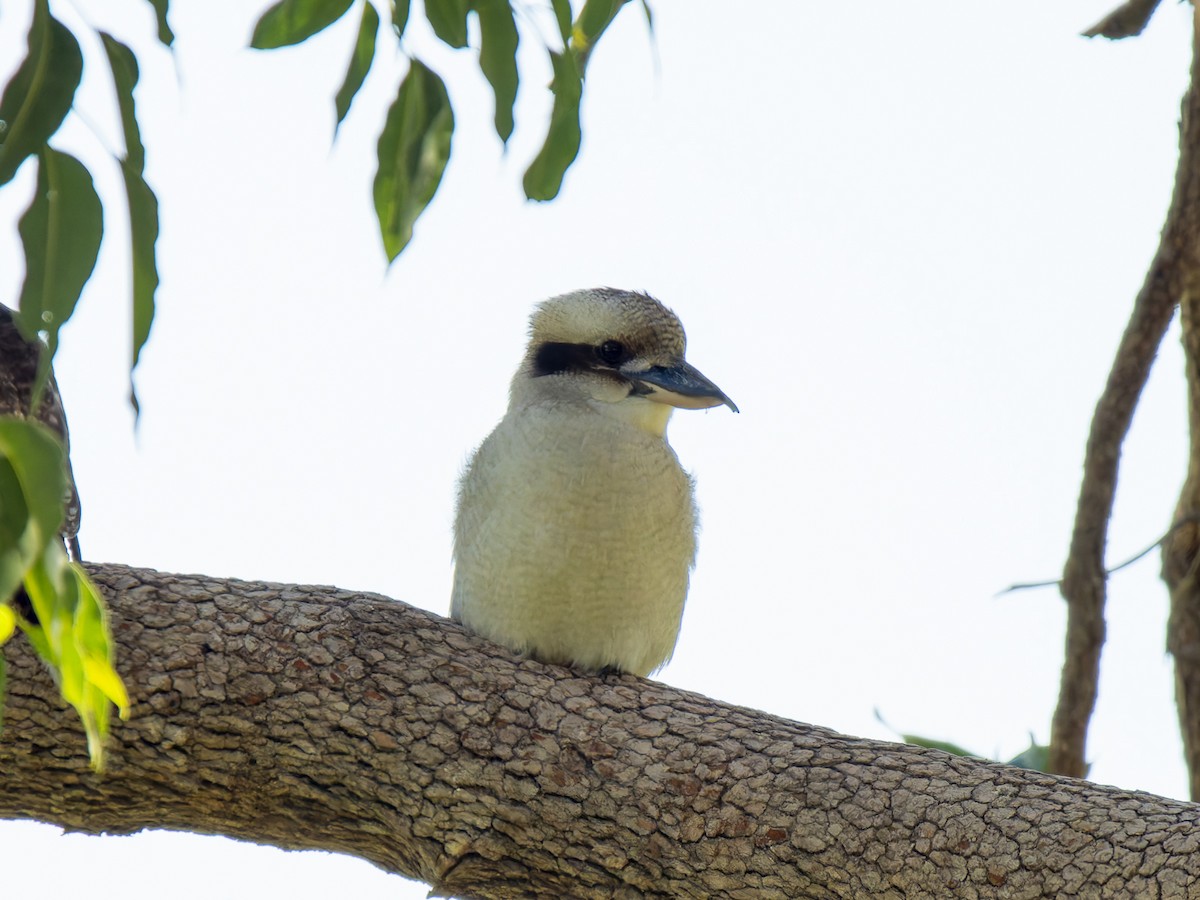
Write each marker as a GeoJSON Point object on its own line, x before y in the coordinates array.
{"type": "Point", "coordinates": [681, 385]}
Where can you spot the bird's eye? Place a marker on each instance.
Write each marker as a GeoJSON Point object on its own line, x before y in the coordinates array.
{"type": "Point", "coordinates": [611, 352]}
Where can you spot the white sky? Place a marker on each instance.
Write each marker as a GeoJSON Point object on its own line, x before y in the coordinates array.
{"type": "Point", "coordinates": [904, 238]}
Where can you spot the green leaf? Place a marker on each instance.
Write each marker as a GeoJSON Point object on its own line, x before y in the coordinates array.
{"type": "Point", "coordinates": [33, 483]}
{"type": "Point", "coordinates": [60, 232]}
{"type": "Point", "coordinates": [124, 68]}
{"type": "Point", "coordinates": [593, 21]}
{"type": "Point", "coordinates": [400, 10]}
{"type": "Point", "coordinates": [143, 205]}
{"type": "Point", "coordinates": [498, 58]}
{"type": "Point", "coordinates": [449, 20]}
{"type": "Point", "coordinates": [413, 149]}
{"type": "Point", "coordinates": [563, 15]}
{"type": "Point", "coordinates": [543, 178]}
{"type": "Point", "coordinates": [37, 98]}
{"type": "Point", "coordinates": [1036, 756]}
{"type": "Point", "coordinates": [649, 17]}
{"type": "Point", "coordinates": [143, 235]}
{"type": "Point", "coordinates": [934, 744]}
{"type": "Point", "coordinates": [165, 35]}
{"type": "Point", "coordinates": [596, 16]}
{"type": "Point", "coordinates": [292, 21]}
{"type": "Point", "coordinates": [360, 63]}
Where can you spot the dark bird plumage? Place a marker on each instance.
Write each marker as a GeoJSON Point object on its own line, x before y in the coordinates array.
{"type": "Point", "coordinates": [18, 375]}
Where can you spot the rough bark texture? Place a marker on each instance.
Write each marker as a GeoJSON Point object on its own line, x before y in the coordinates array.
{"type": "Point", "coordinates": [308, 717]}
{"type": "Point", "coordinates": [1084, 577]}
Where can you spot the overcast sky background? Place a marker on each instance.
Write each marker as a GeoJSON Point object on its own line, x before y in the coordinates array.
{"type": "Point", "coordinates": [903, 238]}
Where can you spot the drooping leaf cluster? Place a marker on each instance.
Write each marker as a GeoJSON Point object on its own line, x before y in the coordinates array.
{"type": "Point", "coordinates": [415, 144]}
{"type": "Point", "coordinates": [62, 229]}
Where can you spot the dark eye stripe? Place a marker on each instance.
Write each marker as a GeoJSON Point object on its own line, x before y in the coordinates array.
{"type": "Point", "coordinates": [554, 357]}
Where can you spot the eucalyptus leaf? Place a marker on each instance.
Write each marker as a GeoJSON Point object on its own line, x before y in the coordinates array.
{"type": "Point", "coordinates": [563, 16]}
{"type": "Point", "coordinates": [360, 63]}
{"type": "Point", "coordinates": [543, 178]}
{"type": "Point", "coordinates": [593, 21]}
{"type": "Point", "coordinates": [595, 16]}
{"type": "Point", "coordinates": [60, 232]}
{"type": "Point", "coordinates": [38, 96]}
{"type": "Point", "coordinates": [143, 236]}
{"type": "Point", "coordinates": [165, 35]}
{"type": "Point", "coordinates": [448, 18]}
{"type": "Point", "coordinates": [413, 150]}
{"type": "Point", "coordinates": [124, 67]}
{"type": "Point", "coordinates": [498, 58]}
{"type": "Point", "coordinates": [143, 205]}
{"type": "Point", "coordinates": [294, 21]}
{"type": "Point", "coordinates": [73, 636]}
{"type": "Point", "coordinates": [400, 10]}
{"type": "Point", "coordinates": [33, 483]}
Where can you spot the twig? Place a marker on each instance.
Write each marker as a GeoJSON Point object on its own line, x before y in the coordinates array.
{"type": "Point", "coordinates": [1127, 20]}
{"type": "Point", "coordinates": [1030, 585]}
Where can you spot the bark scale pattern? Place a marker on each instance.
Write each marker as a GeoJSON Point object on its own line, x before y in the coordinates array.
{"type": "Point", "coordinates": [308, 717]}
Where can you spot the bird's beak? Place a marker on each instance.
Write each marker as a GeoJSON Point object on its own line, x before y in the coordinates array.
{"type": "Point", "coordinates": [680, 385]}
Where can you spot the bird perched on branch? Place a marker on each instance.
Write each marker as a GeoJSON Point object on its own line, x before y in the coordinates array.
{"type": "Point", "coordinates": [18, 375]}
{"type": "Point", "coordinates": [576, 525]}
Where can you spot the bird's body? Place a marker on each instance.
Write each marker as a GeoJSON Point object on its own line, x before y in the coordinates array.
{"type": "Point", "coordinates": [576, 524]}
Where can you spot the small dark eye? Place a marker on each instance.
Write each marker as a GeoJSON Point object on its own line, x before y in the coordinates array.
{"type": "Point", "coordinates": [611, 352]}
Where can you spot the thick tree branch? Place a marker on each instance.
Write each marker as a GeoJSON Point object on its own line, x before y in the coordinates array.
{"type": "Point", "coordinates": [309, 717]}
{"type": "Point", "coordinates": [1084, 579]}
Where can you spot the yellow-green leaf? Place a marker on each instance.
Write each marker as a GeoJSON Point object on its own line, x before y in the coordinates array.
{"type": "Point", "coordinates": [94, 643]}
{"type": "Point", "coordinates": [8, 622]}
{"type": "Point", "coordinates": [72, 636]}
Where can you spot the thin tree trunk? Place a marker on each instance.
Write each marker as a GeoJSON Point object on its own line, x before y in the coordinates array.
{"type": "Point", "coordinates": [1084, 579]}
{"type": "Point", "coordinates": [309, 717]}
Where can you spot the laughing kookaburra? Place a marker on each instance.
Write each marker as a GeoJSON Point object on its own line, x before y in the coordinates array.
{"type": "Point", "coordinates": [576, 526]}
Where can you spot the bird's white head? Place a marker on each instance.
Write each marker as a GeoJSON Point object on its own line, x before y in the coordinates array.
{"type": "Point", "coordinates": [621, 351]}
